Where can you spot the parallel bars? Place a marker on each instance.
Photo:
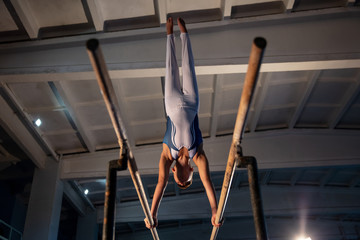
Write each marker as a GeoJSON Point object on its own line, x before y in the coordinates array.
{"type": "Point", "coordinates": [255, 58]}
{"type": "Point", "coordinates": [107, 90]}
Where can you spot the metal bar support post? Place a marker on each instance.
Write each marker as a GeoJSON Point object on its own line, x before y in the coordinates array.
{"type": "Point", "coordinates": [256, 201]}
{"type": "Point", "coordinates": [256, 54]}
{"type": "Point", "coordinates": [110, 196]}
{"type": "Point", "coordinates": [107, 90]}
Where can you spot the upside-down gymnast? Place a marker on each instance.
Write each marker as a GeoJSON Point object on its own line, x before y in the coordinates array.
{"type": "Point", "coordinates": [183, 139]}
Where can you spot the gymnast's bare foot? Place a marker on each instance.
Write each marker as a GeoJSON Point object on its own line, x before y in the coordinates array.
{"type": "Point", "coordinates": [169, 26]}
{"type": "Point", "coordinates": [181, 24]}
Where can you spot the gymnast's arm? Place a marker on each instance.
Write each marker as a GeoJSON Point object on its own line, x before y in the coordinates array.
{"type": "Point", "coordinates": [164, 168]}
{"type": "Point", "coordinates": [202, 163]}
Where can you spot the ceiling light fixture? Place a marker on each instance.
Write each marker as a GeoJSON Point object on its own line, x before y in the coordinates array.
{"type": "Point", "coordinates": [38, 122]}
{"type": "Point", "coordinates": [86, 191]}
{"type": "Point", "coordinates": [303, 238]}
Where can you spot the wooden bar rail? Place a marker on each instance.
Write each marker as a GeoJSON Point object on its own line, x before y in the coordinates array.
{"type": "Point", "coordinates": [255, 58]}
{"type": "Point", "coordinates": [107, 90]}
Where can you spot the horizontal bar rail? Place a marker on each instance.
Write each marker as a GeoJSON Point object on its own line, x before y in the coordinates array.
{"type": "Point", "coordinates": [256, 54]}
{"type": "Point", "coordinates": [107, 90]}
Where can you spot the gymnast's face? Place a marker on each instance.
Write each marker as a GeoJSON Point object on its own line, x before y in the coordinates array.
{"type": "Point", "coordinates": [183, 175]}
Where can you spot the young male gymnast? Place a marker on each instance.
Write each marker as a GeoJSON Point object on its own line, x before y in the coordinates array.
{"type": "Point", "coordinates": [183, 139]}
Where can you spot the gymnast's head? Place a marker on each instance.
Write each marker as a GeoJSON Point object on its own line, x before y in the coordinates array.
{"type": "Point", "coordinates": [182, 170]}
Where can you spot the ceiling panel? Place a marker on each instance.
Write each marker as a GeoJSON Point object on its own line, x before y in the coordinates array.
{"type": "Point", "coordinates": [315, 117]}
{"type": "Point", "coordinates": [284, 94]}
{"type": "Point", "coordinates": [6, 21]}
{"type": "Point", "coordinates": [351, 118]}
{"type": "Point", "coordinates": [289, 77]}
{"type": "Point", "coordinates": [57, 13]}
{"type": "Point", "coordinates": [204, 123]}
{"type": "Point", "coordinates": [84, 91]}
{"type": "Point", "coordinates": [95, 114]}
{"type": "Point", "coordinates": [275, 118]}
{"type": "Point", "coordinates": [339, 74]}
{"type": "Point", "coordinates": [257, 9]}
{"type": "Point", "coordinates": [302, 5]}
{"type": "Point", "coordinates": [315, 176]}
{"type": "Point", "coordinates": [52, 121]}
{"type": "Point", "coordinates": [328, 92]}
{"type": "Point", "coordinates": [233, 80]}
{"type": "Point", "coordinates": [282, 177]}
{"type": "Point", "coordinates": [104, 137]}
{"type": "Point", "coordinates": [65, 143]}
{"type": "Point", "coordinates": [206, 102]}
{"type": "Point", "coordinates": [146, 110]}
{"type": "Point", "coordinates": [226, 123]}
{"type": "Point", "coordinates": [344, 177]}
{"type": "Point", "coordinates": [113, 9]}
{"type": "Point", "coordinates": [138, 87]}
{"type": "Point", "coordinates": [230, 99]}
{"type": "Point", "coordinates": [205, 82]}
{"type": "Point", "coordinates": [34, 95]}
{"type": "Point", "coordinates": [188, 5]}
{"type": "Point", "coordinates": [149, 132]}
{"type": "Point", "coordinates": [97, 198]}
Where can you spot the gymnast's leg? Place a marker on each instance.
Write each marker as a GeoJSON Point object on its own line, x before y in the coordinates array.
{"type": "Point", "coordinates": [190, 88]}
{"type": "Point", "coordinates": [172, 78]}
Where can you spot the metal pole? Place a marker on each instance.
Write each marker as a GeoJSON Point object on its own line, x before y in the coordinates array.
{"type": "Point", "coordinates": [255, 58]}
{"type": "Point", "coordinates": [107, 90]}
{"type": "Point", "coordinates": [109, 205]}
{"type": "Point", "coordinates": [255, 194]}
{"type": "Point", "coordinates": [256, 203]}
{"type": "Point", "coordinates": [110, 196]}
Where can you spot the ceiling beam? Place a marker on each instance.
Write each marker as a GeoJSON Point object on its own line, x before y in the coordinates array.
{"type": "Point", "coordinates": [226, 8]}
{"type": "Point", "coordinates": [313, 77]}
{"type": "Point", "coordinates": [63, 89]}
{"type": "Point", "coordinates": [216, 103]}
{"type": "Point", "coordinates": [27, 18]}
{"type": "Point", "coordinates": [331, 173]}
{"type": "Point", "coordinates": [273, 149]}
{"type": "Point", "coordinates": [354, 181]}
{"type": "Point", "coordinates": [349, 97]}
{"type": "Point", "coordinates": [117, 75]}
{"type": "Point", "coordinates": [296, 176]}
{"type": "Point", "coordinates": [14, 127]}
{"type": "Point", "coordinates": [297, 17]}
{"type": "Point", "coordinates": [31, 128]}
{"type": "Point", "coordinates": [305, 39]}
{"type": "Point", "coordinates": [74, 198]}
{"type": "Point", "coordinates": [6, 157]}
{"type": "Point", "coordinates": [122, 103]}
{"type": "Point", "coordinates": [161, 10]}
{"type": "Point", "coordinates": [96, 14]}
{"type": "Point", "coordinates": [261, 91]}
{"type": "Point", "coordinates": [289, 4]}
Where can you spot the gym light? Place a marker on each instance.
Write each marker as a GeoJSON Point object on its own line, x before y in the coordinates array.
{"type": "Point", "coordinates": [38, 122]}
{"type": "Point", "coordinates": [303, 238]}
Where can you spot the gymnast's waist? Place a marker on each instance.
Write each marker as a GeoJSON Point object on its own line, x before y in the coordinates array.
{"type": "Point", "coordinates": [191, 142]}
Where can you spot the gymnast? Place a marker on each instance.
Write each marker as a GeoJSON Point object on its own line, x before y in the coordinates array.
{"type": "Point", "coordinates": [183, 139]}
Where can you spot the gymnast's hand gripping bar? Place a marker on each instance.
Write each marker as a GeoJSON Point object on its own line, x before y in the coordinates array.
{"type": "Point", "coordinates": [255, 58]}
{"type": "Point", "coordinates": [107, 90]}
